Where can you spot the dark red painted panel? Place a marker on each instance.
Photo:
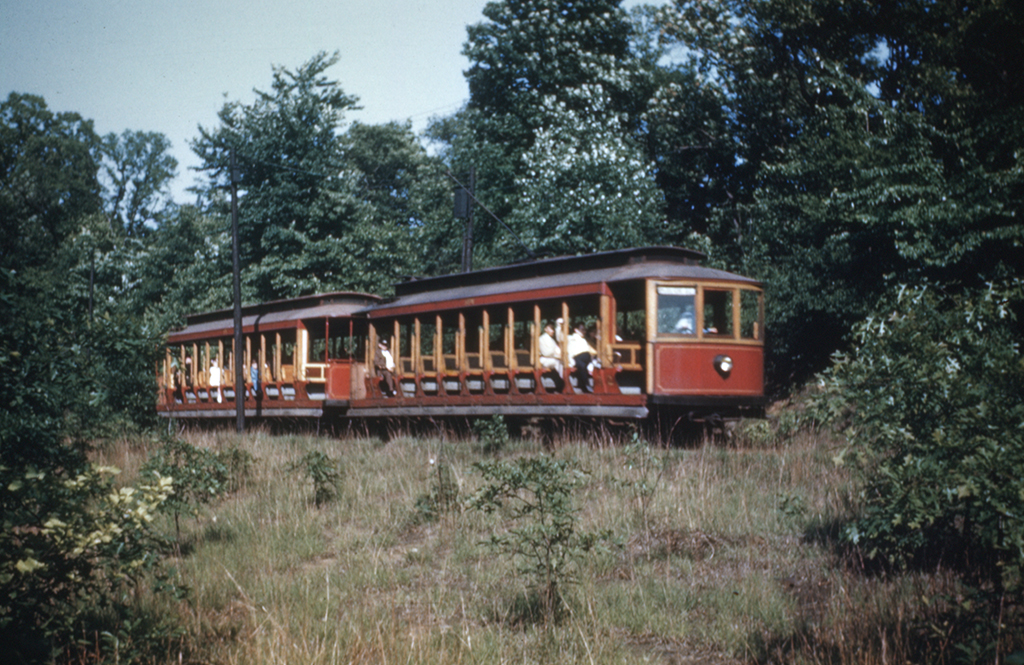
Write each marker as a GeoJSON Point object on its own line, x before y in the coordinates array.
{"type": "Point", "coordinates": [339, 380]}
{"type": "Point", "coordinates": [685, 369]}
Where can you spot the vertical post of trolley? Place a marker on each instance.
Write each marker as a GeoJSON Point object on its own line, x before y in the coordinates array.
{"type": "Point", "coordinates": [236, 269]}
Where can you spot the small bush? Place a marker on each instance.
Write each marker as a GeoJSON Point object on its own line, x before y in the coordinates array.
{"type": "Point", "coordinates": [775, 430]}
{"type": "Point", "coordinates": [239, 464]}
{"type": "Point", "coordinates": [933, 415]}
{"type": "Point", "coordinates": [324, 473]}
{"type": "Point", "coordinates": [536, 495]}
{"type": "Point", "coordinates": [492, 433]}
{"type": "Point", "coordinates": [69, 546]}
{"type": "Point", "coordinates": [441, 499]}
{"type": "Point", "coordinates": [757, 433]}
{"type": "Point", "coordinates": [198, 475]}
{"type": "Point", "coordinates": [792, 507]}
{"type": "Point", "coordinates": [645, 469]}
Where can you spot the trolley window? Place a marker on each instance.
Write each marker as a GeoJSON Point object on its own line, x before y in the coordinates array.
{"type": "Point", "coordinates": [718, 312]}
{"type": "Point", "coordinates": [751, 324]}
{"type": "Point", "coordinates": [316, 351]}
{"type": "Point", "coordinates": [677, 310]}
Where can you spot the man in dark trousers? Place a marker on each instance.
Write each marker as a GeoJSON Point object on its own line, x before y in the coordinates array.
{"type": "Point", "coordinates": [384, 364]}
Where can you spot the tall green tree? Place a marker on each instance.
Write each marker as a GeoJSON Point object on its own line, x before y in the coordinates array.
{"type": "Point", "coordinates": [48, 179]}
{"type": "Point", "coordinates": [873, 146]}
{"type": "Point", "coordinates": [324, 206]}
{"type": "Point", "coordinates": [405, 224]}
{"type": "Point", "coordinates": [554, 94]}
{"type": "Point", "coordinates": [389, 167]}
{"type": "Point", "coordinates": [186, 268]}
{"type": "Point", "coordinates": [61, 248]}
{"type": "Point", "coordinates": [290, 166]}
{"type": "Point", "coordinates": [137, 171]}
{"type": "Point", "coordinates": [686, 133]}
{"type": "Point", "coordinates": [586, 185]}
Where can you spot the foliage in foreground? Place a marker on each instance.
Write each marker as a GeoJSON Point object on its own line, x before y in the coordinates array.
{"type": "Point", "coordinates": [199, 476]}
{"type": "Point", "coordinates": [538, 495]}
{"type": "Point", "coordinates": [323, 471]}
{"type": "Point", "coordinates": [717, 572]}
{"type": "Point", "coordinates": [936, 422]}
{"type": "Point", "coordinates": [71, 543]}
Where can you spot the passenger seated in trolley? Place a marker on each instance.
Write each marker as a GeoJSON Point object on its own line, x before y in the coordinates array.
{"type": "Point", "coordinates": [254, 379]}
{"type": "Point", "coordinates": [384, 363]}
{"type": "Point", "coordinates": [551, 357]}
{"type": "Point", "coordinates": [581, 353]}
{"type": "Point", "coordinates": [214, 380]}
{"type": "Point", "coordinates": [685, 324]}
{"type": "Point", "coordinates": [595, 358]}
{"type": "Point", "coordinates": [177, 381]}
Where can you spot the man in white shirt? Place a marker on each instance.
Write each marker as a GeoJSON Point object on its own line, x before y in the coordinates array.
{"type": "Point", "coordinates": [581, 353]}
{"type": "Point", "coordinates": [551, 356]}
{"type": "Point", "coordinates": [384, 363]}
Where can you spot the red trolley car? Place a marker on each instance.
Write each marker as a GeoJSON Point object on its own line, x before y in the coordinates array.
{"type": "Point", "coordinates": [668, 338]}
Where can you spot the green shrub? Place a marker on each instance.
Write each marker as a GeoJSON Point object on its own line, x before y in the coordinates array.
{"type": "Point", "coordinates": [792, 507]}
{"type": "Point", "coordinates": [535, 494]}
{"type": "Point", "coordinates": [777, 429]}
{"type": "Point", "coordinates": [759, 433]}
{"type": "Point", "coordinates": [793, 420]}
{"type": "Point", "coordinates": [199, 476]}
{"type": "Point", "coordinates": [70, 545]}
{"type": "Point", "coordinates": [239, 464]}
{"type": "Point", "coordinates": [492, 433]}
{"type": "Point", "coordinates": [324, 473]}
{"type": "Point", "coordinates": [442, 498]}
{"type": "Point", "coordinates": [645, 469]}
{"type": "Point", "coordinates": [934, 415]}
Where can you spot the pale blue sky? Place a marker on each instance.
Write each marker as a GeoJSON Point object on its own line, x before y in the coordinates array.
{"type": "Point", "coordinates": [168, 66]}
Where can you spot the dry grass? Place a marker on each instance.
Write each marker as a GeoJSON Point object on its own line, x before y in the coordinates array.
{"type": "Point", "coordinates": [730, 559]}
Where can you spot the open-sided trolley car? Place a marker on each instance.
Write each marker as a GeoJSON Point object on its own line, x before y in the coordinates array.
{"type": "Point", "coordinates": [672, 339]}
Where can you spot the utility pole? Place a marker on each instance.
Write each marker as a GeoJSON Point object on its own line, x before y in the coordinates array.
{"type": "Point", "coordinates": [236, 265]}
{"type": "Point", "coordinates": [92, 278]}
{"type": "Point", "coordinates": [464, 200]}
{"type": "Point", "coordinates": [464, 197]}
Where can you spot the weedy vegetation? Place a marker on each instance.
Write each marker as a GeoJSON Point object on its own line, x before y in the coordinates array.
{"type": "Point", "coordinates": [597, 549]}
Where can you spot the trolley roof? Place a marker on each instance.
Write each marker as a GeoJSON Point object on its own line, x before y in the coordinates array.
{"type": "Point", "coordinates": [567, 273]}
{"type": "Point", "coordinates": [321, 305]}
{"type": "Point", "coordinates": [553, 277]}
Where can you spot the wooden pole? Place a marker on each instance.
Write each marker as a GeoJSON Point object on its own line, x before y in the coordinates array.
{"type": "Point", "coordinates": [236, 266]}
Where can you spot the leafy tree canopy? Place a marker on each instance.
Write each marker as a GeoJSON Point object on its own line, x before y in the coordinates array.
{"type": "Point", "coordinates": [556, 92]}
{"type": "Point", "coordinates": [136, 173]}
{"type": "Point", "coordinates": [48, 179]}
{"type": "Point", "coordinates": [289, 157]}
{"type": "Point", "coordinates": [873, 146]}
{"type": "Point", "coordinates": [324, 208]}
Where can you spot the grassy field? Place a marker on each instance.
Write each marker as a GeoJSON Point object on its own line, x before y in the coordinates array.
{"type": "Point", "coordinates": [720, 554]}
